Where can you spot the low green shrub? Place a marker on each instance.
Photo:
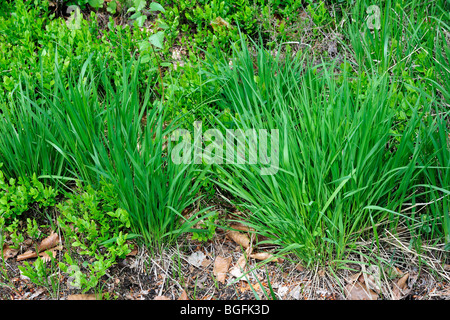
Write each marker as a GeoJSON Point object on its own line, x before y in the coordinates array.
{"type": "Point", "coordinates": [33, 41]}
{"type": "Point", "coordinates": [16, 197]}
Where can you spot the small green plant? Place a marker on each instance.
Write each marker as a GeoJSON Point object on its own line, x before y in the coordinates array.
{"type": "Point", "coordinates": [33, 229]}
{"type": "Point", "coordinates": [319, 14]}
{"type": "Point", "coordinates": [93, 226]}
{"type": "Point", "coordinates": [16, 237]}
{"type": "Point", "coordinates": [42, 274]}
{"type": "Point", "coordinates": [87, 279]}
{"type": "Point", "coordinates": [137, 8]}
{"type": "Point", "coordinates": [90, 219]}
{"type": "Point", "coordinates": [16, 197]}
{"type": "Point", "coordinates": [207, 227]}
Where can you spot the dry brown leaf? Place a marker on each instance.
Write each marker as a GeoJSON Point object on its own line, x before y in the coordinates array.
{"type": "Point", "coordinates": [359, 291]}
{"type": "Point", "coordinates": [241, 227]}
{"type": "Point", "coordinates": [240, 238]}
{"type": "Point", "coordinates": [133, 252]}
{"type": "Point", "coordinates": [242, 262]}
{"type": "Point", "coordinates": [183, 296]}
{"type": "Point", "coordinates": [92, 296]}
{"type": "Point", "coordinates": [299, 267]}
{"type": "Point", "coordinates": [27, 255]}
{"type": "Point", "coordinates": [239, 267]}
{"type": "Point", "coordinates": [161, 298]}
{"type": "Point", "coordinates": [221, 266]}
{"type": "Point", "coordinates": [257, 286]}
{"type": "Point", "coordinates": [49, 242]}
{"type": "Point", "coordinates": [373, 278]}
{"type": "Point", "coordinates": [243, 287]}
{"type": "Point", "coordinates": [32, 254]}
{"type": "Point", "coordinates": [9, 252]}
{"type": "Point", "coordinates": [353, 278]}
{"type": "Point", "coordinates": [402, 281]}
{"type": "Point", "coordinates": [265, 256]}
{"type": "Point", "coordinates": [394, 272]}
{"type": "Point", "coordinates": [27, 243]}
{"type": "Point", "coordinates": [398, 272]}
{"type": "Point", "coordinates": [46, 257]}
{"type": "Point", "coordinates": [206, 262]}
{"type": "Point", "coordinates": [399, 288]}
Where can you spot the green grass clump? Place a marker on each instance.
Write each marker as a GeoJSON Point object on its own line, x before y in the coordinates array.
{"type": "Point", "coordinates": [121, 138]}
{"type": "Point", "coordinates": [91, 130]}
{"type": "Point", "coordinates": [342, 169]}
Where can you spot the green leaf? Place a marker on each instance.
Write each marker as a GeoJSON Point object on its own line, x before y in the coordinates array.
{"type": "Point", "coordinates": [156, 7]}
{"type": "Point", "coordinates": [145, 58]}
{"type": "Point", "coordinates": [140, 4]}
{"type": "Point", "coordinates": [128, 236]}
{"type": "Point", "coordinates": [136, 16]}
{"type": "Point", "coordinates": [157, 39]}
{"type": "Point", "coordinates": [143, 45]}
{"type": "Point", "coordinates": [96, 3]}
{"type": "Point", "coordinates": [140, 20]}
{"type": "Point", "coordinates": [112, 7]}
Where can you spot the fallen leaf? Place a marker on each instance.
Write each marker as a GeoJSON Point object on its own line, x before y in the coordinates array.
{"type": "Point", "coordinates": [243, 287]}
{"type": "Point", "coordinates": [395, 272]}
{"type": "Point", "coordinates": [49, 242]}
{"type": "Point", "coordinates": [299, 267]}
{"type": "Point", "coordinates": [241, 227]}
{"type": "Point", "coordinates": [321, 272]}
{"type": "Point", "coordinates": [27, 255]}
{"type": "Point", "coordinates": [353, 278]}
{"type": "Point", "coordinates": [402, 281]}
{"type": "Point", "coordinates": [257, 286]}
{"type": "Point", "coordinates": [373, 278]}
{"type": "Point", "coordinates": [27, 242]}
{"type": "Point", "coordinates": [399, 288]}
{"type": "Point", "coordinates": [265, 256]}
{"type": "Point", "coordinates": [239, 267]}
{"type": "Point", "coordinates": [359, 291]}
{"type": "Point", "coordinates": [161, 298]}
{"type": "Point", "coordinates": [240, 238]}
{"type": "Point", "coordinates": [196, 259]}
{"type": "Point", "coordinates": [221, 266]}
{"type": "Point", "coordinates": [92, 296]}
{"type": "Point", "coordinates": [9, 252]}
{"type": "Point", "coordinates": [32, 254]}
{"type": "Point", "coordinates": [133, 252]}
{"type": "Point", "coordinates": [46, 257]}
{"type": "Point", "coordinates": [206, 262]}
{"type": "Point", "coordinates": [183, 296]}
